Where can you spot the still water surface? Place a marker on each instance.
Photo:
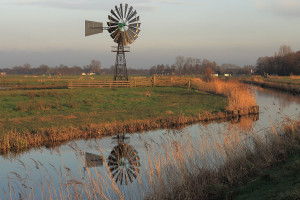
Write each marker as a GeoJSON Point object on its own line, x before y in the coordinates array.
{"type": "Point", "coordinates": [84, 158]}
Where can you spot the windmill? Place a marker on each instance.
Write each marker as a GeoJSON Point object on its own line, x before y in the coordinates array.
{"type": "Point", "coordinates": [123, 27]}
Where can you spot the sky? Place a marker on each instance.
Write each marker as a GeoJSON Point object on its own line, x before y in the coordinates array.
{"type": "Point", "coordinates": [233, 31]}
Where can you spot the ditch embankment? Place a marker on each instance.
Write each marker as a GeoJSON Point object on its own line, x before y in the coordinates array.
{"type": "Point", "coordinates": [291, 88]}
{"type": "Point", "coordinates": [268, 169]}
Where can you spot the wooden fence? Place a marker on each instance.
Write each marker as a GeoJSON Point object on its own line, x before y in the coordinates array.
{"type": "Point", "coordinates": [110, 84]}
{"type": "Point", "coordinates": [155, 81]}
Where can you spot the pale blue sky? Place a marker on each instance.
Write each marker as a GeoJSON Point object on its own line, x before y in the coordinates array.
{"type": "Point", "coordinates": [226, 31]}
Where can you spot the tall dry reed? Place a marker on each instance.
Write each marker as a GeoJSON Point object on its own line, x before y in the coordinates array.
{"type": "Point", "coordinates": [239, 95]}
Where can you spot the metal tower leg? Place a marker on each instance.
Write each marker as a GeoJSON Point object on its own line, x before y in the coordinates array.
{"type": "Point", "coordinates": [120, 65]}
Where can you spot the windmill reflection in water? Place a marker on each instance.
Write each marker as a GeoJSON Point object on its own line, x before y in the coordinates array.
{"type": "Point", "coordinates": [123, 161]}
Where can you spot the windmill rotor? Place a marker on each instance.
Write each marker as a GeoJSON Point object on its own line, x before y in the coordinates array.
{"type": "Point", "coordinates": [122, 21]}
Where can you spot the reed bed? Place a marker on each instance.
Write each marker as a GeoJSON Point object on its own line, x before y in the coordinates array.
{"type": "Point", "coordinates": [238, 94]}
{"type": "Point", "coordinates": [206, 169]}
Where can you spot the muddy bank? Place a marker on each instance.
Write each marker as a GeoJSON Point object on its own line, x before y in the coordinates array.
{"type": "Point", "coordinates": [16, 142]}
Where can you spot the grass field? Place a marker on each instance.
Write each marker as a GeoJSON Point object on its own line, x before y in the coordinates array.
{"type": "Point", "coordinates": [23, 110]}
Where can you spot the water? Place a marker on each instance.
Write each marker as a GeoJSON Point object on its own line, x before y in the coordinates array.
{"type": "Point", "coordinates": [72, 164]}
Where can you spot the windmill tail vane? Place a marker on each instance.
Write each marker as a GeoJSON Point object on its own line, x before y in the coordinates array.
{"type": "Point", "coordinates": [123, 27]}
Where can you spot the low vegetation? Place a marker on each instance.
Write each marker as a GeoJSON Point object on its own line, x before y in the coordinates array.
{"type": "Point", "coordinates": [289, 84]}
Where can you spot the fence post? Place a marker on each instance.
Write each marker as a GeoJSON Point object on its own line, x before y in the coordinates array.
{"type": "Point", "coordinates": [189, 85]}
{"type": "Point", "coordinates": [172, 81]}
{"type": "Point", "coordinates": [153, 81]}
{"type": "Point", "coordinates": [134, 83]}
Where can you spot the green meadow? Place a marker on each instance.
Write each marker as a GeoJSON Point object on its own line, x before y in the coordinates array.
{"type": "Point", "coordinates": [23, 110]}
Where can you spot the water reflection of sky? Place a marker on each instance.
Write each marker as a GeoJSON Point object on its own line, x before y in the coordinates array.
{"type": "Point", "coordinates": [274, 106]}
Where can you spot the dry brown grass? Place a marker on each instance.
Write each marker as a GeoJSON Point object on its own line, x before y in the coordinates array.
{"type": "Point", "coordinates": [294, 77]}
{"type": "Point", "coordinates": [239, 95]}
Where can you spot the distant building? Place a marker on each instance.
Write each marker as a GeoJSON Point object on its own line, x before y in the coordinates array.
{"type": "Point", "coordinates": [83, 74]}
{"type": "Point", "coordinates": [227, 74]}
{"type": "Point", "coordinates": [216, 75]}
{"type": "Point", "coordinates": [2, 73]}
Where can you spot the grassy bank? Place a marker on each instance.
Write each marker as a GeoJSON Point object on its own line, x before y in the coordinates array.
{"type": "Point", "coordinates": [289, 84]}
{"type": "Point", "coordinates": [267, 169]}
{"type": "Point", "coordinates": [44, 117]}
{"type": "Point", "coordinates": [32, 118]}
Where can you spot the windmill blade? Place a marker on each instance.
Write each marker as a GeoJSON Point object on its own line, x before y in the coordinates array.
{"type": "Point", "coordinates": [126, 6]}
{"type": "Point", "coordinates": [128, 38]}
{"type": "Point", "coordinates": [135, 25]}
{"type": "Point", "coordinates": [133, 14]}
{"type": "Point", "coordinates": [134, 30]}
{"type": "Point", "coordinates": [126, 42]}
{"type": "Point", "coordinates": [112, 24]}
{"type": "Point", "coordinates": [114, 14]}
{"type": "Point", "coordinates": [134, 20]}
{"type": "Point", "coordinates": [114, 34]}
{"type": "Point", "coordinates": [112, 19]}
{"type": "Point", "coordinates": [92, 28]}
{"type": "Point", "coordinates": [112, 29]}
{"type": "Point", "coordinates": [130, 9]}
{"type": "Point", "coordinates": [118, 37]}
{"type": "Point", "coordinates": [117, 9]}
{"type": "Point", "coordinates": [132, 34]}
{"type": "Point", "coordinates": [121, 10]}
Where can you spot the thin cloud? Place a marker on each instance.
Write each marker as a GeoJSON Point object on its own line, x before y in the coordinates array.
{"type": "Point", "coordinates": [287, 8]}
{"type": "Point", "coordinates": [176, 2]}
{"type": "Point", "coordinates": [79, 4]}
{"type": "Point", "coordinates": [146, 5]}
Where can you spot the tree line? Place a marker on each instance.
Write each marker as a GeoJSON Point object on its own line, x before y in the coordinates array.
{"type": "Point", "coordinates": [285, 62]}
{"type": "Point", "coordinates": [26, 69]}
{"type": "Point", "coordinates": [196, 66]}
{"type": "Point", "coordinates": [181, 66]}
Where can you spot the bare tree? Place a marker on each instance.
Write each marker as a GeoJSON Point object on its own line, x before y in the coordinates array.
{"type": "Point", "coordinates": [95, 66]}
{"type": "Point", "coordinates": [208, 74]}
{"type": "Point", "coordinates": [283, 51]}
{"type": "Point", "coordinates": [180, 60]}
